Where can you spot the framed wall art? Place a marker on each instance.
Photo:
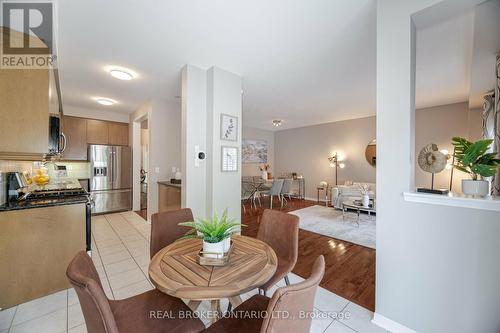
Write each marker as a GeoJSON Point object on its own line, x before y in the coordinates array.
{"type": "Point", "coordinates": [229, 158]}
{"type": "Point", "coordinates": [228, 127]}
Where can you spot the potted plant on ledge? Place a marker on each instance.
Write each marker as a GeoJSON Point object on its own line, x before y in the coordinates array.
{"type": "Point", "coordinates": [215, 233]}
{"type": "Point", "coordinates": [473, 158]}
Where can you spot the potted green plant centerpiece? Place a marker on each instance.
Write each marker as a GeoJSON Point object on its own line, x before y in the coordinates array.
{"type": "Point", "coordinates": [473, 158]}
{"type": "Point", "coordinates": [215, 233]}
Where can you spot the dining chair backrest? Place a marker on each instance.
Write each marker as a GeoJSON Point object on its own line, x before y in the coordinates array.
{"type": "Point", "coordinates": [280, 231]}
{"type": "Point", "coordinates": [95, 305]}
{"type": "Point", "coordinates": [276, 187]}
{"type": "Point", "coordinates": [287, 186]}
{"type": "Point", "coordinates": [165, 229]}
{"type": "Point", "coordinates": [294, 300]}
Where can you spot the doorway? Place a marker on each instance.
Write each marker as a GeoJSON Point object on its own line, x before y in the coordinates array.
{"type": "Point", "coordinates": [144, 168]}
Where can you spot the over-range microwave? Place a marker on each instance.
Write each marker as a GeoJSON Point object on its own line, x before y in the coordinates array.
{"type": "Point", "coordinates": [57, 139]}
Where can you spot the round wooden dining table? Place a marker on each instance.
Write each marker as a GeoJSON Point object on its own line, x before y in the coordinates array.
{"type": "Point", "coordinates": [175, 271]}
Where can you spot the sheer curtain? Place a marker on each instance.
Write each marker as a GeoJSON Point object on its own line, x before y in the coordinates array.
{"type": "Point", "coordinates": [491, 122]}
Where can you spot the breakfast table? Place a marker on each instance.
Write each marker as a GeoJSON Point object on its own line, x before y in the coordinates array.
{"type": "Point", "coordinates": [175, 271]}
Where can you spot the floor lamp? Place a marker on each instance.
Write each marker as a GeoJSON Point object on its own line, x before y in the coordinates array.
{"type": "Point", "coordinates": [336, 164]}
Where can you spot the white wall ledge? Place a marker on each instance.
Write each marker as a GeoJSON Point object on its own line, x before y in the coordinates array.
{"type": "Point", "coordinates": [454, 200]}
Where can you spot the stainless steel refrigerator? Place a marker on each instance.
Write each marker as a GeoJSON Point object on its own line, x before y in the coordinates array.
{"type": "Point", "coordinates": [110, 182]}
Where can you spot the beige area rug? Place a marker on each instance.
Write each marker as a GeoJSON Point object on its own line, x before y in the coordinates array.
{"type": "Point", "coordinates": [329, 222]}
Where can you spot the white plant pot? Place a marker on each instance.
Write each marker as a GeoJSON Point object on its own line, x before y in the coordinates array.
{"type": "Point", "coordinates": [264, 175]}
{"type": "Point", "coordinates": [227, 244]}
{"type": "Point", "coordinates": [479, 188]}
{"type": "Point", "coordinates": [366, 200]}
{"type": "Point", "coordinates": [213, 250]}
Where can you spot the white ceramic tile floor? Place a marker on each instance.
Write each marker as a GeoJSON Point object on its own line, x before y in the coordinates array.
{"type": "Point", "coordinates": [121, 254]}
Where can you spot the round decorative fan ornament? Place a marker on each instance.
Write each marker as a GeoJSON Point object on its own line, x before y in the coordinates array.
{"type": "Point", "coordinates": [431, 160]}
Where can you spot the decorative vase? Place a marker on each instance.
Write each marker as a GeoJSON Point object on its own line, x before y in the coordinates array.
{"type": "Point", "coordinates": [366, 200]}
{"type": "Point", "coordinates": [477, 188]}
{"type": "Point", "coordinates": [178, 174]}
{"type": "Point", "coordinates": [213, 250]}
{"type": "Point", "coordinates": [227, 244]}
{"type": "Point", "coordinates": [264, 175]}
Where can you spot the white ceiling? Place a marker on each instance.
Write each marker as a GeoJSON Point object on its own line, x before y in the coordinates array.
{"type": "Point", "coordinates": [306, 62]}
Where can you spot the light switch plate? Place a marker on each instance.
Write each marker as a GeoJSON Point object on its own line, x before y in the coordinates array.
{"type": "Point", "coordinates": [157, 169]}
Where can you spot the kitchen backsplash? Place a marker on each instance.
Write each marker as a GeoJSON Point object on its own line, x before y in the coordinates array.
{"type": "Point", "coordinates": [77, 170]}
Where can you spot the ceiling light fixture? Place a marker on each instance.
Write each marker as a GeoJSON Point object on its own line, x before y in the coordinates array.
{"type": "Point", "coordinates": [105, 101]}
{"type": "Point", "coordinates": [121, 74]}
{"type": "Point", "coordinates": [277, 122]}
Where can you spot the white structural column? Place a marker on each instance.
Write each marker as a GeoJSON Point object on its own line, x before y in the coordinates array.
{"type": "Point", "coordinates": [206, 95]}
{"type": "Point", "coordinates": [433, 262]}
{"type": "Point", "coordinates": [223, 97]}
{"type": "Point", "coordinates": [194, 123]}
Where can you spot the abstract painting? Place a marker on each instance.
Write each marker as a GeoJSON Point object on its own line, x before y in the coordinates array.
{"type": "Point", "coordinates": [254, 151]}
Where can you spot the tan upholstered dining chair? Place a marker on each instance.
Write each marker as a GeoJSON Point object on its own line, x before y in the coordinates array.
{"type": "Point", "coordinates": [281, 232]}
{"type": "Point", "coordinates": [165, 229]}
{"type": "Point", "coordinates": [127, 315]}
{"type": "Point", "coordinates": [293, 300]}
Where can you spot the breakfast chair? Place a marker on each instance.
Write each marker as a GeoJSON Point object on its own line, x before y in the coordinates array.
{"type": "Point", "coordinates": [135, 314]}
{"type": "Point", "coordinates": [275, 190]}
{"type": "Point", "coordinates": [165, 229]}
{"type": "Point", "coordinates": [280, 231]}
{"type": "Point", "coordinates": [293, 300]}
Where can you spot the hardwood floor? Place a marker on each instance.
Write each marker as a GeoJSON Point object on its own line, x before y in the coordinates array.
{"type": "Point", "coordinates": [350, 268]}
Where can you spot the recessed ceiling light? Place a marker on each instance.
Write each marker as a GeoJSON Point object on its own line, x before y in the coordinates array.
{"type": "Point", "coordinates": [277, 122]}
{"type": "Point", "coordinates": [121, 74]}
{"type": "Point", "coordinates": [105, 101]}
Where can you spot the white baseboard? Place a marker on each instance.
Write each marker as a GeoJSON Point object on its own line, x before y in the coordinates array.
{"type": "Point", "coordinates": [390, 325]}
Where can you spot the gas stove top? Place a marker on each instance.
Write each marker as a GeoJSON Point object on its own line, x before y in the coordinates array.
{"type": "Point", "coordinates": [54, 190]}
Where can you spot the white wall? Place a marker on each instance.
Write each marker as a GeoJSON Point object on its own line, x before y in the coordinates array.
{"type": "Point", "coordinates": [194, 124]}
{"type": "Point", "coordinates": [164, 143]}
{"type": "Point", "coordinates": [70, 110]}
{"type": "Point", "coordinates": [223, 188]}
{"type": "Point", "coordinates": [143, 112]}
{"type": "Point", "coordinates": [205, 95]}
{"type": "Point", "coordinates": [437, 266]}
{"type": "Point", "coordinates": [164, 121]}
{"type": "Point", "coordinates": [252, 169]}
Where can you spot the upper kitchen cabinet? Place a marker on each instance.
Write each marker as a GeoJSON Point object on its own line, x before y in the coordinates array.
{"type": "Point", "coordinates": [97, 132]}
{"type": "Point", "coordinates": [24, 115]}
{"type": "Point", "coordinates": [118, 134]}
{"type": "Point", "coordinates": [75, 130]}
{"type": "Point", "coordinates": [100, 132]}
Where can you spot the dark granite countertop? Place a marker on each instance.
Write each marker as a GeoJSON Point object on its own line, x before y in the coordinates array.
{"type": "Point", "coordinates": [168, 183]}
{"type": "Point", "coordinates": [39, 203]}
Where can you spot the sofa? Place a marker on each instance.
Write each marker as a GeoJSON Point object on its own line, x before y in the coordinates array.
{"type": "Point", "coordinates": [341, 193]}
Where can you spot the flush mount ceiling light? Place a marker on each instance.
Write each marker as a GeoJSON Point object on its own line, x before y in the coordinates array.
{"type": "Point", "coordinates": [277, 122]}
{"type": "Point", "coordinates": [105, 101]}
{"type": "Point", "coordinates": [121, 74]}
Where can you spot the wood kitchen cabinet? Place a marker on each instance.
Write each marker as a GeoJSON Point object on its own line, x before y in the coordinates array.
{"type": "Point", "coordinates": [24, 110]}
{"type": "Point", "coordinates": [169, 197]}
{"type": "Point", "coordinates": [97, 131]}
{"type": "Point", "coordinates": [75, 130]}
{"type": "Point", "coordinates": [102, 132]}
{"type": "Point", "coordinates": [36, 246]}
{"type": "Point", "coordinates": [118, 134]}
